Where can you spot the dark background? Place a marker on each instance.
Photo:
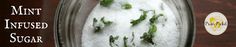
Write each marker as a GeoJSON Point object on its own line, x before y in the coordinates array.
{"type": "Point", "coordinates": [201, 9]}
{"type": "Point", "coordinates": [47, 15]}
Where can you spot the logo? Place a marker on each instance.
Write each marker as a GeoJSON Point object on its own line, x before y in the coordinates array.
{"type": "Point", "coordinates": [216, 23]}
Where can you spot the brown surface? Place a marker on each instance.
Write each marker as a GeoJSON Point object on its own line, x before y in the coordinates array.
{"type": "Point", "coordinates": [202, 8]}
{"type": "Point", "coordinates": [48, 6]}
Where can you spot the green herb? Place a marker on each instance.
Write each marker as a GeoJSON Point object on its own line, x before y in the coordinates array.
{"type": "Point", "coordinates": [152, 29]}
{"type": "Point", "coordinates": [112, 40]}
{"type": "Point", "coordinates": [154, 18]}
{"type": "Point", "coordinates": [95, 20]}
{"type": "Point", "coordinates": [98, 29]}
{"type": "Point", "coordinates": [141, 18]}
{"type": "Point", "coordinates": [106, 3]}
{"type": "Point", "coordinates": [148, 36]}
{"type": "Point", "coordinates": [161, 15]}
{"type": "Point", "coordinates": [125, 41]}
{"type": "Point", "coordinates": [127, 6]}
{"type": "Point", "coordinates": [97, 26]}
{"type": "Point", "coordinates": [106, 22]}
{"type": "Point", "coordinates": [132, 36]}
{"type": "Point", "coordinates": [132, 40]}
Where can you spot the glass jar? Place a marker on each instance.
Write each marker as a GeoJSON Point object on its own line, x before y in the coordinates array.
{"type": "Point", "coordinates": [71, 16]}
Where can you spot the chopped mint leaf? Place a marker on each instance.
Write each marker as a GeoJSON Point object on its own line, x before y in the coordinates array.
{"type": "Point", "coordinates": [96, 28]}
{"type": "Point", "coordinates": [148, 36]}
{"type": "Point", "coordinates": [106, 3]}
{"type": "Point", "coordinates": [127, 6]}
{"type": "Point", "coordinates": [106, 22]}
{"type": "Point", "coordinates": [112, 40]}
{"type": "Point", "coordinates": [141, 18]}
{"type": "Point", "coordinates": [133, 37]}
{"type": "Point", "coordinates": [98, 25]}
{"type": "Point", "coordinates": [154, 18]}
{"type": "Point", "coordinates": [125, 41]}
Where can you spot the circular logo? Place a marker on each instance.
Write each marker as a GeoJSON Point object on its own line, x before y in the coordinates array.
{"type": "Point", "coordinates": [215, 23]}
